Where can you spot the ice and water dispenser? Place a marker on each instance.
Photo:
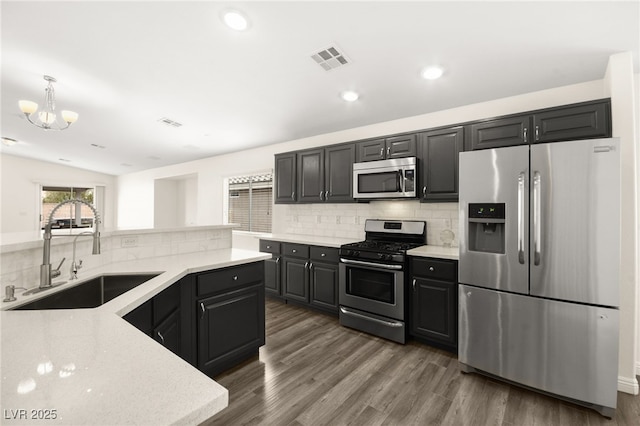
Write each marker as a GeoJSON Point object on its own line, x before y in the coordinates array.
{"type": "Point", "coordinates": [486, 227]}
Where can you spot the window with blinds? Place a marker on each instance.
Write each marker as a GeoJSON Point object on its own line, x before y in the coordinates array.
{"type": "Point", "coordinates": [250, 202]}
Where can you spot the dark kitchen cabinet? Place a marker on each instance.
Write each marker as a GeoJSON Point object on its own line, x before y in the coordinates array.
{"type": "Point", "coordinates": [582, 121]}
{"type": "Point", "coordinates": [438, 152]}
{"type": "Point", "coordinates": [285, 178]}
{"type": "Point", "coordinates": [338, 166]}
{"type": "Point", "coordinates": [585, 120]}
{"type": "Point", "coordinates": [308, 274]}
{"type": "Point", "coordinates": [326, 174]}
{"type": "Point", "coordinates": [434, 302]}
{"type": "Point", "coordinates": [160, 318]}
{"type": "Point", "coordinates": [387, 148]}
{"type": "Point", "coordinates": [230, 316]}
{"type": "Point", "coordinates": [310, 179]}
{"type": "Point", "coordinates": [272, 285]}
{"type": "Point", "coordinates": [500, 132]}
{"type": "Point", "coordinates": [323, 282]}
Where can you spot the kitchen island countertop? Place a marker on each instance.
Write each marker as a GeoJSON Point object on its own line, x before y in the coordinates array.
{"type": "Point", "coordinates": [89, 366]}
{"type": "Point", "coordinates": [435, 251]}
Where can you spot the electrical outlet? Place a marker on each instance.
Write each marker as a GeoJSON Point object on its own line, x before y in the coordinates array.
{"type": "Point", "coordinates": [129, 242]}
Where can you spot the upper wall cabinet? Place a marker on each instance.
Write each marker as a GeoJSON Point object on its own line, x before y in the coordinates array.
{"type": "Point", "coordinates": [438, 151]}
{"type": "Point", "coordinates": [499, 132]}
{"type": "Point", "coordinates": [387, 148]}
{"type": "Point", "coordinates": [285, 178]}
{"type": "Point", "coordinates": [319, 175]}
{"type": "Point", "coordinates": [586, 120]}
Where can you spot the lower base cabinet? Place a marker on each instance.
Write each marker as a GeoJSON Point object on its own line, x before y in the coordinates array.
{"type": "Point", "coordinates": [229, 317]}
{"type": "Point", "coordinates": [214, 320]}
{"type": "Point", "coordinates": [303, 274]}
{"type": "Point", "coordinates": [434, 302]}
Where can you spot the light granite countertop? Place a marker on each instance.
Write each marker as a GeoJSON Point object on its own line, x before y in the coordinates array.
{"type": "Point", "coordinates": [89, 366]}
{"type": "Point", "coordinates": [435, 251]}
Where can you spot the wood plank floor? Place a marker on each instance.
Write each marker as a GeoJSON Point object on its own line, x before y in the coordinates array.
{"type": "Point", "coordinates": [312, 371]}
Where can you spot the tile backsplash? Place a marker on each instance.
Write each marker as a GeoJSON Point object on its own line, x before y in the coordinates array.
{"type": "Point", "coordinates": [347, 220]}
{"type": "Point", "coordinates": [21, 266]}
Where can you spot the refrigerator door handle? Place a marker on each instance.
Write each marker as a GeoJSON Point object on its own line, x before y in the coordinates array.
{"type": "Point", "coordinates": [537, 218]}
{"type": "Point", "coordinates": [521, 220]}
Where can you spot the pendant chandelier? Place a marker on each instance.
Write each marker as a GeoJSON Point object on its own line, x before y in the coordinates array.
{"type": "Point", "coordinates": [46, 118]}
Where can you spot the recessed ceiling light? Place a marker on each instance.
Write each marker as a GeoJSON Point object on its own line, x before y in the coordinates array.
{"type": "Point", "coordinates": [432, 73]}
{"type": "Point", "coordinates": [8, 141]}
{"type": "Point", "coordinates": [350, 96]}
{"type": "Point", "coordinates": [235, 20]}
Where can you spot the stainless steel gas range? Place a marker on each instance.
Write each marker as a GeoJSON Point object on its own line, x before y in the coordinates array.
{"type": "Point", "coordinates": [373, 280]}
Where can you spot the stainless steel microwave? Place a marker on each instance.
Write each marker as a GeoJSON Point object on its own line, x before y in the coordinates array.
{"type": "Point", "coordinates": [394, 178]}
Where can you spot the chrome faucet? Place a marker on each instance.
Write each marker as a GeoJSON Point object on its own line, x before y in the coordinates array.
{"type": "Point", "coordinates": [46, 273]}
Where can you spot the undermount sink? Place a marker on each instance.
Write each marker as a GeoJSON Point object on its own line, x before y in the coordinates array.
{"type": "Point", "coordinates": [90, 294]}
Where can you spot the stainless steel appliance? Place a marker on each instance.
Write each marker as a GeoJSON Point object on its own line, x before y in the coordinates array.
{"type": "Point", "coordinates": [539, 267]}
{"type": "Point", "coordinates": [395, 178]}
{"type": "Point", "coordinates": [372, 281]}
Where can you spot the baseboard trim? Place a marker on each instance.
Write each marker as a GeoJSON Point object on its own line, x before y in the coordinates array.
{"type": "Point", "coordinates": [628, 385]}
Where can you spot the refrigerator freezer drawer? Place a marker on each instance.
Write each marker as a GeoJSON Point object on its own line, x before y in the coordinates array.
{"type": "Point", "coordinates": [566, 349]}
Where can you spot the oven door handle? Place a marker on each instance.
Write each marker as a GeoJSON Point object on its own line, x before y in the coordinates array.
{"type": "Point", "coordinates": [370, 264]}
{"type": "Point", "coordinates": [357, 315]}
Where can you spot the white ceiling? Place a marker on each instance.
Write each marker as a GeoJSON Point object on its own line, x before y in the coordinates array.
{"type": "Point", "coordinates": [124, 65]}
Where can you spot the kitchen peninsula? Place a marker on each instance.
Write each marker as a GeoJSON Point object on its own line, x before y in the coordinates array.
{"type": "Point", "coordinates": [90, 366]}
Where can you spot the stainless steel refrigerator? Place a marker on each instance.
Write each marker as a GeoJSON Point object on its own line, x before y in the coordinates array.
{"type": "Point", "coordinates": [539, 267]}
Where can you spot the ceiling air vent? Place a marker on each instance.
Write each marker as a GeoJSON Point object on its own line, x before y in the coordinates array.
{"type": "Point", "coordinates": [169, 122]}
{"type": "Point", "coordinates": [330, 58]}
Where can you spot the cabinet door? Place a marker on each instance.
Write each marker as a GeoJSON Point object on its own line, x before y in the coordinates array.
{"type": "Point", "coordinates": [439, 170]}
{"type": "Point", "coordinates": [434, 310]}
{"type": "Point", "coordinates": [272, 276]}
{"type": "Point", "coordinates": [324, 285]}
{"type": "Point", "coordinates": [311, 175]}
{"type": "Point", "coordinates": [588, 121]}
{"type": "Point", "coordinates": [295, 279]}
{"type": "Point", "coordinates": [230, 328]}
{"type": "Point", "coordinates": [371, 150]}
{"type": "Point", "coordinates": [401, 146]}
{"type": "Point", "coordinates": [339, 173]}
{"type": "Point", "coordinates": [167, 333]}
{"type": "Point", "coordinates": [500, 132]}
{"type": "Point", "coordinates": [285, 178]}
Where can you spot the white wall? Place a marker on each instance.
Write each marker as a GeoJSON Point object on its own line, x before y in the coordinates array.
{"type": "Point", "coordinates": [20, 191]}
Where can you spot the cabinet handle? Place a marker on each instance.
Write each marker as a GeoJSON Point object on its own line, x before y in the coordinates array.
{"type": "Point", "coordinates": [414, 284]}
{"type": "Point", "coordinates": [537, 133]}
{"type": "Point", "coordinates": [310, 265]}
{"type": "Point", "coordinates": [161, 338]}
{"type": "Point", "coordinates": [424, 191]}
{"type": "Point", "coordinates": [381, 152]}
{"type": "Point", "coordinates": [524, 135]}
{"type": "Point", "coordinates": [388, 151]}
{"type": "Point", "coordinates": [293, 195]}
{"type": "Point", "coordinates": [321, 195]}
{"type": "Point", "coordinates": [306, 265]}
{"type": "Point", "coordinates": [323, 254]}
{"type": "Point", "coordinates": [235, 278]}
{"type": "Point", "coordinates": [268, 247]}
{"type": "Point", "coordinates": [294, 251]}
{"type": "Point", "coordinates": [326, 195]}
{"type": "Point", "coordinates": [277, 260]}
{"type": "Point", "coordinates": [431, 268]}
{"type": "Point", "coordinates": [203, 310]}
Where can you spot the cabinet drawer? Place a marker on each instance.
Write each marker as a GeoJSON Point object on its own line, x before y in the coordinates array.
{"type": "Point", "coordinates": [324, 254]}
{"type": "Point", "coordinates": [434, 268]}
{"type": "Point", "coordinates": [295, 250]}
{"type": "Point", "coordinates": [227, 278]}
{"type": "Point", "coordinates": [267, 246]}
